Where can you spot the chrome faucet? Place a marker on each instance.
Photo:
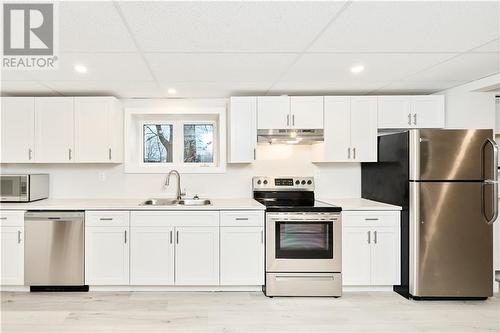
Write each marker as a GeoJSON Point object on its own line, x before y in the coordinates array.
{"type": "Point", "coordinates": [167, 183]}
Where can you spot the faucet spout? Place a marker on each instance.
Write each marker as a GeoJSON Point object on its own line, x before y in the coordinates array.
{"type": "Point", "coordinates": [167, 183]}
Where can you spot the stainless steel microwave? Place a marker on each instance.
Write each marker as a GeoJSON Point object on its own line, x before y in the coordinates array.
{"type": "Point", "coordinates": [24, 188]}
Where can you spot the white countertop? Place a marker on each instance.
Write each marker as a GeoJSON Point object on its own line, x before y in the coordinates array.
{"type": "Point", "coordinates": [359, 204]}
{"type": "Point", "coordinates": [128, 204]}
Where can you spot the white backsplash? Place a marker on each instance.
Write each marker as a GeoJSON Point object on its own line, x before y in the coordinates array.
{"type": "Point", "coordinates": [333, 180]}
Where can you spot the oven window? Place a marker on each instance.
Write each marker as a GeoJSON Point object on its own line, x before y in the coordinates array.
{"type": "Point", "coordinates": [304, 240]}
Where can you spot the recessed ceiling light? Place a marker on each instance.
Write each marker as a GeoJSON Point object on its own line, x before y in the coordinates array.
{"type": "Point", "coordinates": [172, 91]}
{"type": "Point", "coordinates": [357, 69]}
{"type": "Point", "coordinates": [80, 68]}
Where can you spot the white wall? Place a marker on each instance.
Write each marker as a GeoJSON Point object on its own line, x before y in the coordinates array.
{"type": "Point", "coordinates": [110, 181]}
{"type": "Point", "coordinates": [465, 108]}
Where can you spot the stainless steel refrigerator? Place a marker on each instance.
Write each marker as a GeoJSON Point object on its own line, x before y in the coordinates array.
{"type": "Point", "coordinates": [446, 182]}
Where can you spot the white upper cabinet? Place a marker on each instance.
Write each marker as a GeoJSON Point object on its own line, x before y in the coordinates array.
{"type": "Point", "coordinates": [17, 129]}
{"type": "Point", "coordinates": [411, 111]}
{"type": "Point", "coordinates": [242, 120]}
{"type": "Point", "coordinates": [54, 129]}
{"type": "Point", "coordinates": [98, 130]}
{"type": "Point", "coordinates": [350, 132]}
{"type": "Point", "coordinates": [306, 112]}
{"type": "Point", "coordinates": [273, 112]}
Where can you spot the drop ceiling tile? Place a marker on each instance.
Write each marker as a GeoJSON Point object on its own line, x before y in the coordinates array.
{"type": "Point", "coordinates": [227, 26]}
{"type": "Point", "coordinates": [211, 67]}
{"type": "Point", "coordinates": [215, 89]}
{"type": "Point", "coordinates": [101, 66]}
{"type": "Point", "coordinates": [327, 67]}
{"type": "Point", "coordinates": [25, 88]}
{"type": "Point", "coordinates": [120, 89]}
{"type": "Point", "coordinates": [92, 27]}
{"type": "Point", "coordinates": [466, 67]}
{"type": "Point", "coordinates": [411, 26]}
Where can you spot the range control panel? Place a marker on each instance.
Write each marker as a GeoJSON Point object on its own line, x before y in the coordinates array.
{"type": "Point", "coordinates": [262, 183]}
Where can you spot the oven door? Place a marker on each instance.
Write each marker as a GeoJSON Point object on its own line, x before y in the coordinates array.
{"type": "Point", "coordinates": [303, 242]}
{"type": "Point", "coordinates": [13, 188]}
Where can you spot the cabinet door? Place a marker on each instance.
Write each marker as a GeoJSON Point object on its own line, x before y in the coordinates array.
{"type": "Point", "coordinates": [12, 256]}
{"type": "Point", "coordinates": [395, 112]}
{"type": "Point", "coordinates": [273, 112]}
{"type": "Point", "coordinates": [151, 256]}
{"type": "Point", "coordinates": [364, 129]}
{"type": "Point", "coordinates": [197, 256]}
{"type": "Point", "coordinates": [385, 258]}
{"type": "Point", "coordinates": [92, 135]}
{"type": "Point", "coordinates": [306, 112]}
{"type": "Point", "coordinates": [428, 111]}
{"type": "Point", "coordinates": [242, 256]}
{"type": "Point", "coordinates": [337, 129]}
{"type": "Point", "coordinates": [106, 256]}
{"type": "Point", "coordinates": [54, 129]}
{"type": "Point", "coordinates": [242, 129]}
{"type": "Point", "coordinates": [17, 129]}
{"type": "Point", "coordinates": [356, 261]}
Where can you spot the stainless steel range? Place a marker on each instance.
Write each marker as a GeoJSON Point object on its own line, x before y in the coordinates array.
{"type": "Point", "coordinates": [303, 238]}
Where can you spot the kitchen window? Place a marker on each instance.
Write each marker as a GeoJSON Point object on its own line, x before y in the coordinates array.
{"type": "Point", "coordinates": [157, 143]}
{"type": "Point", "coordinates": [199, 143]}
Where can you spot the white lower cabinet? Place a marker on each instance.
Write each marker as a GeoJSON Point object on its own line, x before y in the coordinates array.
{"type": "Point", "coordinates": [197, 256]}
{"type": "Point", "coordinates": [242, 255]}
{"type": "Point", "coordinates": [371, 248]}
{"type": "Point", "coordinates": [107, 240]}
{"type": "Point", "coordinates": [12, 248]}
{"type": "Point", "coordinates": [151, 256]}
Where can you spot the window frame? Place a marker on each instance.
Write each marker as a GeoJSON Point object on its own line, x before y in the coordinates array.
{"type": "Point", "coordinates": [157, 122]}
{"type": "Point", "coordinates": [215, 143]}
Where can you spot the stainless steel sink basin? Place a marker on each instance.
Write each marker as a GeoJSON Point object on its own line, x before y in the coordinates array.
{"type": "Point", "coordinates": [159, 202]}
{"type": "Point", "coordinates": [195, 202]}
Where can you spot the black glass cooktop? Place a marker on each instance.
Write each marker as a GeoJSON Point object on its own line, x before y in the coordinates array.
{"type": "Point", "coordinates": [290, 201]}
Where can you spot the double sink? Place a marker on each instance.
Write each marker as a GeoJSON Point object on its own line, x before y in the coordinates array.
{"type": "Point", "coordinates": [175, 202]}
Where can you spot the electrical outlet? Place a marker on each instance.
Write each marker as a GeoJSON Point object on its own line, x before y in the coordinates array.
{"type": "Point", "coordinates": [102, 176]}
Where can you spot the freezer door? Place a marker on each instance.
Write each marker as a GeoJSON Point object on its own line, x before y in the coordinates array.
{"type": "Point", "coordinates": [451, 154]}
{"type": "Point", "coordinates": [451, 245]}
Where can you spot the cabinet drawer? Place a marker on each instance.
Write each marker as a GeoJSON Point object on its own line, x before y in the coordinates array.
{"type": "Point", "coordinates": [12, 218]}
{"type": "Point", "coordinates": [242, 219]}
{"type": "Point", "coordinates": [175, 219]}
{"type": "Point", "coordinates": [299, 284]}
{"type": "Point", "coordinates": [366, 218]}
{"type": "Point", "coordinates": [107, 218]}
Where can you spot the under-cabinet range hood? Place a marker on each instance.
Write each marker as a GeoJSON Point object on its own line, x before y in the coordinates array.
{"type": "Point", "coordinates": [290, 136]}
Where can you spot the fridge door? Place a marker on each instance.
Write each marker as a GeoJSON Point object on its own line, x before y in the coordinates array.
{"type": "Point", "coordinates": [451, 154]}
{"type": "Point", "coordinates": [451, 243]}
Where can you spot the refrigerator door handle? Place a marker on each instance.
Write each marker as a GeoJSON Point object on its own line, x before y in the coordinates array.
{"type": "Point", "coordinates": [493, 182]}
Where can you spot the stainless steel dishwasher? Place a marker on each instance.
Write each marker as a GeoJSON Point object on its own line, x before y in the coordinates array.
{"type": "Point", "coordinates": [54, 249]}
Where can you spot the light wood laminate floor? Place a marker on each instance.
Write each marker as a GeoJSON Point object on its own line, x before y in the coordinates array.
{"type": "Point", "coordinates": [240, 312]}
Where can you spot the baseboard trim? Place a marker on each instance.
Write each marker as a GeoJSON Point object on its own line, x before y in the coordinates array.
{"type": "Point", "coordinates": [366, 288]}
{"type": "Point", "coordinates": [175, 288]}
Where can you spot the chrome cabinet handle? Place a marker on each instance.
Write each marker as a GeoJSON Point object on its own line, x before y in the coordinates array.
{"type": "Point", "coordinates": [69, 154]}
{"type": "Point", "coordinates": [369, 237]}
{"type": "Point", "coordinates": [125, 236]}
{"type": "Point", "coordinates": [348, 153]}
{"type": "Point", "coordinates": [171, 236]}
{"type": "Point", "coordinates": [262, 236]}
{"type": "Point", "coordinates": [375, 237]}
{"type": "Point", "coordinates": [109, 154]}
{"type": "Point", "coordinates": [293, 120]}
{"type": "Point", "coordinates": [3, 218]}
{"type": "Point", "coordinates": [409, 119]}
{"type": "Point", "coordinates": [30, 154]}
{"type": "Point", "coordinates": [354, 152]}
{"type": "Point", "coordinates": [254, 155]}
{"type": "Point", "coordinates": [106, 219]}
{"type": "Point", "coordinates": [177, 234]}
{"type": "Point", "coordinates": [287, 120]}
{"type": "Point", "coordinates": [18, 236]}
{"type": "Point", "coordinates": [414, 119]}
{"type": "Point", "coordinates": [371, 219]}
{"type": "Point", "coordinates": [241, 219]}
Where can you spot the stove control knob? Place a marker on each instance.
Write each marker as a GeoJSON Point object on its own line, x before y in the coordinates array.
{"type": "Point", "coordinates": [297, 182]}
{"type": "Point", "coordinates": [265, 182]}
{"type": "Point", "coordinates": [259, 181]}
{"type": "Point", "coordinates": [303, 182]}
{"type": "Point", "coordinates": [309, 182]}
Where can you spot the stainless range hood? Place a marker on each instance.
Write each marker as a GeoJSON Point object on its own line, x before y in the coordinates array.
{"type": "Point", "coordinates": [290, 136]}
